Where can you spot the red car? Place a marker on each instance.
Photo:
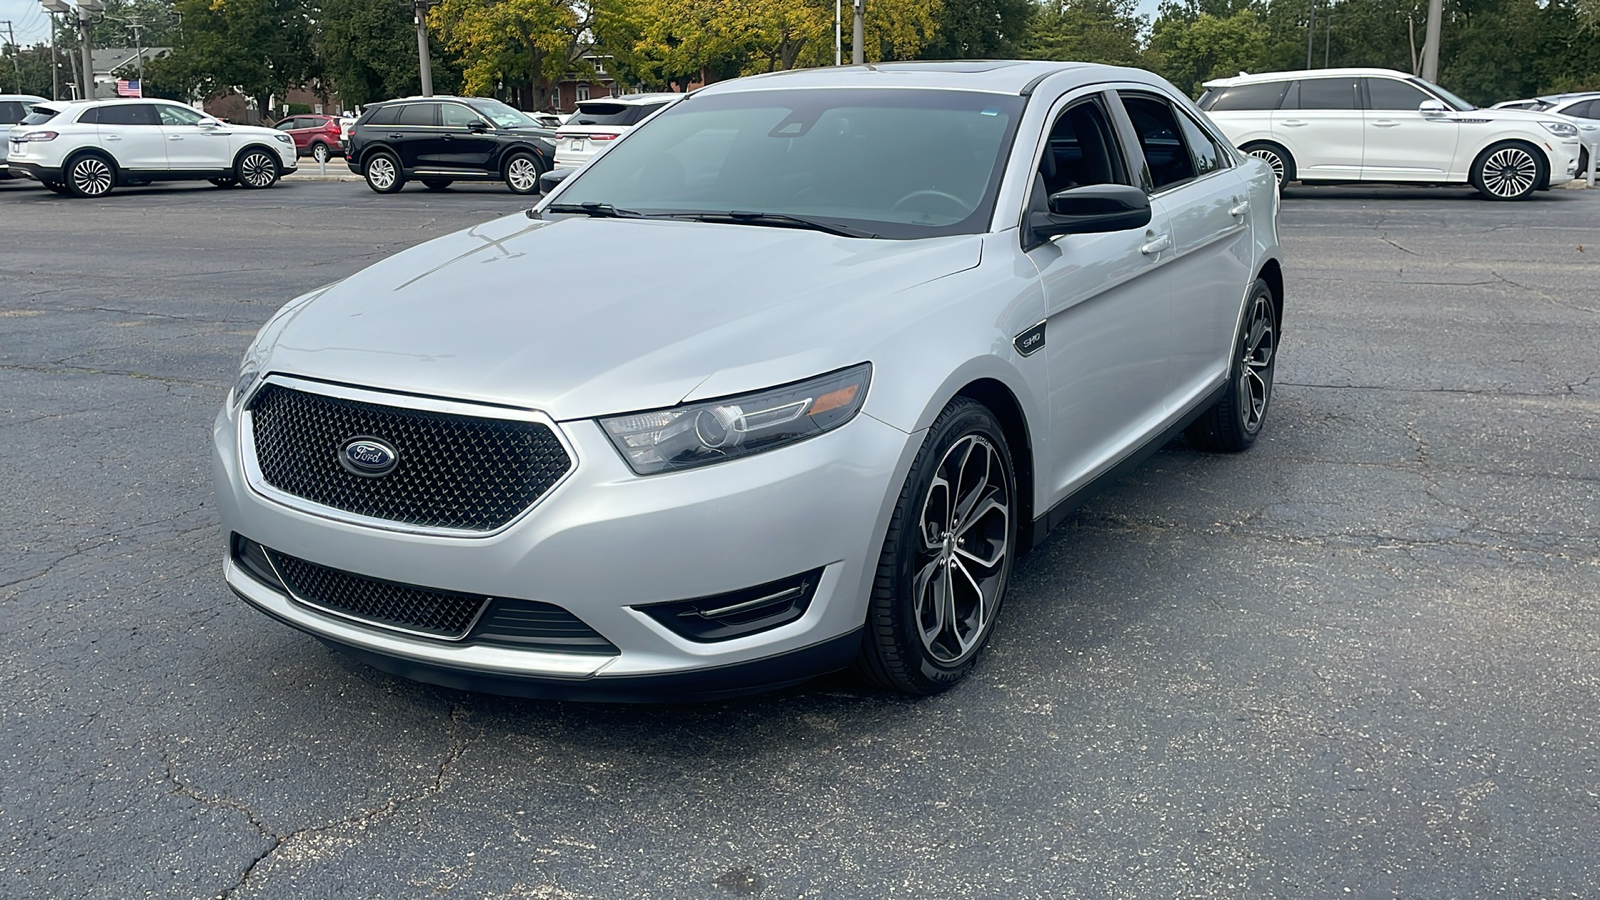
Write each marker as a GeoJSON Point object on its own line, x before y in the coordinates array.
{"type": "Point", "coordinates": [316, 136]}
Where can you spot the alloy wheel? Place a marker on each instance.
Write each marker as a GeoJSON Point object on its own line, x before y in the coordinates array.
{"type": "Point", "coordinates": [960, 562]}
{"type": "Point", "coordinates": [523, 175]}
{"type": "Point", "coordinates": [1510, 172]}
{"type": "Point", "coordinates": [319, 153]}
{"type": "Point", "coordinates": [381, 173]}
{"type": "Point", "coordinates": [1271, 158]}
{"type": "Point", "coordinates": [257, 170]}
{"type": "Point", "coordinates": [91, 176]}
{"type": "Point", "coordinates": [1259, 343]}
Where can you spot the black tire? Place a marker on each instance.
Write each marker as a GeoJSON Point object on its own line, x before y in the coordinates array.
{"type": "Point", "coordinates": [1509, 170]}
{"type": "Point", "coordinates": [320, 153]}
{"type": "Point", "coordinates": [897, 652]}
{"type": "Point", "coordinates": [435, 184]}
{"type": "Point", "coordinates": [256, 169]}
{"type": "Point", "coordinates": [224, 182]}
{"type": "Point", "coordinates": [1583, 163]}
{"type": "Point", "coordinates": [383, 173]}
{"type": "Point", "coordinates": [521, 173]}
{"type": "Point", "coordinates": [1274, 155]}
{"type": "Point", "coordinates": [1233, 422]}
{"type": "Point", "coordinates": [90, 175]}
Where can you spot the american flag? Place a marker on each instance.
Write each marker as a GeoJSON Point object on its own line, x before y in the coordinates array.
{"type": "Point", "coordinates": [126, 88]}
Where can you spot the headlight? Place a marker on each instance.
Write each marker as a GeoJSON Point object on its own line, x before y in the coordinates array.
{"type": "Point", "coordinates": [1560, 129]}
{"type": "Point", "coordinates": [284, 138]}
{"type": "Point", "coordinates": [698, 434]}
{"type": "Point", "coordinates": [249, 374]}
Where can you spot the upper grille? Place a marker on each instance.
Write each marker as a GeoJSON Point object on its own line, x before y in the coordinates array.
{"type": "Point", "coordinates": [457, 472]}
{"type": "Point", "coordinates": [442, 613]}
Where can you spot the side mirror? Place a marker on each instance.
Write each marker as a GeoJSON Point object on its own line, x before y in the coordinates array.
{"type": "Point", "coordinates": [1433, 108]}
{"type": "Point", "coordinates": [478, 127]}
{"type": "Point", "coordinates": [208, 122]}
{"type": "Point", "coordinates": [1093, 209]}
{"type": "Point", "coordinates": [549, 180]}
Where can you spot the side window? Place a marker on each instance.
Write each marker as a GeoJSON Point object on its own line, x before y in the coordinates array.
{"type": "Point", "coordinates": [1208, 157]}
{"type": "Point", "coordinates": [419, 114]}
{"type": "Point", "coordinates": [454, 115]}
{"type": "Point", "coordinates": [1328, 93]}
{"type": "Point", "coordinates": [640, 112]}
{"type": "Point", "coordinates": [129, 114]}
{"type": "Point", "coordinates": [384, 115]}
{"type": "Point", "coordinates": [1590, 110]}
{"type": "Point", "coordinates": [1161, 139]}
{"type": "Point", "coordinates": [87, 117]}
{"type": "Point", "coordinates": [10, 112]}
{"type": "Point", "coordinates": [177, 115]}
{"type": "Point", "coordinates": [1080, 150]}
{"type": "Point", "coordinates": [1264, 95]}
{"type": "Point", "coordinates": [1390, 93]}
{"type": "Point", "coordinates": [285, 125]}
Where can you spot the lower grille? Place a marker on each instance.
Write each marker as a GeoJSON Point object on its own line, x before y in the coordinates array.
{"type": "Point", "coordinates": [448, 615]}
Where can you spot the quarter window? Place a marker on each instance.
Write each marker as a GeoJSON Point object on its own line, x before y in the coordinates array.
{"type": "Point", "coordinates": [1208, 157]}
{"type": "Point", "coordinates": [1327, 93]}
{"type": "Point", "coordinates": [1387, 93]}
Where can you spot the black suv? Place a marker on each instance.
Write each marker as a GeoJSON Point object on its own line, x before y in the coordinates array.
{"type": "Point", "coordinates": [437, 140]}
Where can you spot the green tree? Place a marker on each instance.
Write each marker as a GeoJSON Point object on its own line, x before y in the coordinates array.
{"type": "Point", "coordinates": [1098, 31]}
{"type": "Point", "coordinates": [980, 29]}
{"type": "Point", "coordinates": [1188, 52]}
{"type": "Point", "coordinates": [369, 52]}
{"type": "Point", "coordinates": [260, 48]}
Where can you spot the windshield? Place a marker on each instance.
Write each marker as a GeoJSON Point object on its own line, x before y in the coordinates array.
{"type": "Point", "coordinates": [1445, 95]}
{"type": "Point", "coordinates": [897, 163]}
{"type": "Point", "coordinates": [504, 116]}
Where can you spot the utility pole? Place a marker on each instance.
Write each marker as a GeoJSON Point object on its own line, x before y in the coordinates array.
{"type": "Point", "coordinates": [1430, 44]}
{"type": "Point", "coordinates": [86, 11]}
{"type": "Point", "coordinates": [52, 7]}
{"type": "Point", "coordinates": [419, 9]}
{"type": "Point", "coordinates": [15, 52]}
{"type": "Point", "coordinates": [858, 48]}
{"type": "Point", "coordinates": [138, 48]}
{"type": "Point", "coordinates": [1327, 35]}
{"type": "Point", "coordinates": [1311, 31]}
{"type": "Point", "coordinates": [838, 34]}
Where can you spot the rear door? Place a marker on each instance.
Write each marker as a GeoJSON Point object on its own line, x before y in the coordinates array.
{"type": "Point", "coordinates": [414, 134]}
{"type": "Point", "coordinates": [131, 133]}
{"type": "Point", "coordinates": [1320, 123]}
{"type": "Point", "coordinates": [1402, 144]}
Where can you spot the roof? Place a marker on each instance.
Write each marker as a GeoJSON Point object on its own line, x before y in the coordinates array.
{"type": "Point", "coordinates": [1304, 73]}
{"type": "Point", "coordinates": [634, 99]}
{"type": "Point", "coordinates": [995, 76]}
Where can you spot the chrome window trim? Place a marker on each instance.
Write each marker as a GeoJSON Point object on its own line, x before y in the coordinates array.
{"type": "Point", "coordinates": [259, 486]}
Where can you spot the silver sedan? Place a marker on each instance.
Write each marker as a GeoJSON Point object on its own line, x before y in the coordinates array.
{"type": "Point", "coordinates": [810, 359]}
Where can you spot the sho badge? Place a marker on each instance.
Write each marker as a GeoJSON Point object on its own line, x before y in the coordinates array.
{"type": "Point", "coordinates": [1030, 341]}
{"type": "Point", "coordinates": [368, 457]}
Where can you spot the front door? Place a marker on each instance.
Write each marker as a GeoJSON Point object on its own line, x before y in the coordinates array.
{"type": "Point", "coordinates": [1401, 143]}
{"type": "Point", "coordinates": [1107, 302]}
{"type": "Point", "coordinates": [131, 133]}
{"type": "Point", "coordinates": [1320, 123]}
{"type": "Point", "coordinates": [458, 147]}
{"type": "Point", "coordinates": [190, 147]}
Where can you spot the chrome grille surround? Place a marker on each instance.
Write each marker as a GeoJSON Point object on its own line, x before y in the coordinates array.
{"type": "Point", "coordinates": [402, 404]}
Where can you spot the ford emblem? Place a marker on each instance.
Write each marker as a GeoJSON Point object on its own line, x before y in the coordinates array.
{"type": "Point", "coordinates": [368, 457]}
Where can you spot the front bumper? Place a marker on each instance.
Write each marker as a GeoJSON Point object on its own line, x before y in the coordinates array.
{"type": "Point", "coordinates": [604, 542]}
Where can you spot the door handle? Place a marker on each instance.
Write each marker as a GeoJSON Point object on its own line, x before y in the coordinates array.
{"type": "Point", "coordinates": [1157, 245]}
{"type": "Point", "coordinates": [1294, 123]}
{"type": "Point", "coordinates": [113, 137]}
{"type": "Point", "coordinates": [1385, 123]}
{"type": "Point", "coordinates": [395, 137]}
{"type": "Point", "coordinates": [1239, 209]}
{"type": "Point", "coordinates": [449, 138]}
{"type": "Point", "coordinates": [175, 137]}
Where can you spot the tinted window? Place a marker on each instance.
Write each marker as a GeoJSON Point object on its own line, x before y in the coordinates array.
{"type": "Point", "coordinates": [1160, 137]}
{"type": "Point", "coordinates": [1081, 150]}
{"type": "Point", "coordinates": [129, 114]}
{"type": "Point", "coordinates": [1589, 110]}
{"type": "Point", "coordinates": [613, 113]}
{"type": "Point", "coordinates": [177, 115]}
{"type": "Point", "coordinates": [39, 116]}
{"type": "Point", "coordinates": [286, 125]}
{"type": "Point", "coordinates": [10, 112]}
{"type": "Point", "coordinates": [454, 115]}
{"type": "Point", "coordinates": [384, 115]}
{"type": "Point", "coordinates": [1327, 93]}
{"type": "Point", "coordinates": [1208, 157]}
{"type": "Point", "coordinates": [419, 114]}
{"type": "Point", "coordinates": [905, 163]}
{"type": "Point", "coordinates": [1246, 96]}
{"type": "Point", "coordinates": [1387, 93]}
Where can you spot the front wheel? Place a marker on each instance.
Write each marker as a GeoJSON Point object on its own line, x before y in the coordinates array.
{"type": "Point", "coordinates": [946, 559]}
{"type": "Point", "coordinates": [1509, 170]}
{"type": "Point", "coordinates": [522, 174]}
{"type": "Point", "coordinates": [1233, 423]}
{"type": "Point", "coordinates": [256, 169]}
{"type": "Point", "coordinates": [383, 173]}
{"type": "Point", "coordinates": [319, 153]}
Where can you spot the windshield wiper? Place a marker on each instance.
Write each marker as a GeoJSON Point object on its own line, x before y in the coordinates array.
{"type": "Point", "coordinates": [594, 210]}
{"type": "Point", "coordinates": [779, 220]}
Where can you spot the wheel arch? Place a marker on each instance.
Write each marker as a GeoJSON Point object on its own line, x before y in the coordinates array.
{"type": "Point", "coordinates": [276, 159]}
{"type": "Point", "coordinates": [1272, 273]}
{"type": "Point", "coordinates": [81, 152]}
{"type": "Point", "coordinates": [370, 150]}
{"type": "Point", "coordinates": [546, 160]}
{"type": "Point", "coordinates": [999, 399]}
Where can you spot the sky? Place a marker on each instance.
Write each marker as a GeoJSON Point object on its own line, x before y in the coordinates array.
{"type": "Point", "coordinates": [32, 23]}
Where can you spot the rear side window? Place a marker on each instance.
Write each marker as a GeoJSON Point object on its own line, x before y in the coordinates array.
{"type": "Point", "coordinates": [419, 114]}
{"type": "Point", "coordinates": [1590, 110]}
{"type": "Point", "coordinates": [10, 112]}
{"type": "Point", "coordinates": [1208, 157]}
{"type": "Point", "coordinates": [1387, 93]}
{"type": "Point", "coordinates": [1161, 139]}
{"type": "Point", "coordinates": [1265, 95]}
{"type": "Point", "coordinates": [129, 114]}
{"type": "Point", "coordinates": [1326, 93]}
{"type": "Point", "coordinates": [39, 116]}
{"type": "Point", "coordinates": [383, 115]}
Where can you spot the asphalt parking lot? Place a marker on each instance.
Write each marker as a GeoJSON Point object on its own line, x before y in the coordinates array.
{"type": "Point", "coordinates": [1359, 660]}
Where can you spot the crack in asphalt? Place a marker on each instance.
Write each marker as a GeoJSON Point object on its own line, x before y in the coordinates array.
{"type": "Point", "coordinates": [168, 380]}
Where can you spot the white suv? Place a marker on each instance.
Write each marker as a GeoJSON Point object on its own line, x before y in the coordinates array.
{"type": "Point", "coordinates": [85, 148]}
{"type": "Point", "coordinates": [1378, 125]}
{"type": "Point", "coordinates": [599, 122]}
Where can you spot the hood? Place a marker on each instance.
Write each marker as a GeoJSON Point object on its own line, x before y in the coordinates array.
{"type": "Point", "coordinates": [582, 317]}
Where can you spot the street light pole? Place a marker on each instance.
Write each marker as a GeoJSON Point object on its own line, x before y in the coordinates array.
{"type": "Point", "coordinates": [1311, 31]}
{"type": "Point", "coordinates": [1430, 44]}
{"type": "Point", "coordinates": [858, 49]}
{"type": "Point", "coordinates": [419, 9]}
{"type": "Point", "coordinates": [86, 11]}
{"type": "Point", "coordinates": [838, 34]}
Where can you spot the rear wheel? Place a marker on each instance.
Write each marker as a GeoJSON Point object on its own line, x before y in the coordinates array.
{"type": "Point", "coordinates": [256, 169]}
{"type": "Point", "coordinates": [383, 173]}
{"type": "Point", "coordinates": [1509, 170]}
{"type": "Point", "coordinates": [319, 152]}
{"type": "Point", "coordinates": [946, 559]}
{"type": "Point", "coordinates": [1275, 156]}
{"type": "Point", "coordinates": [522, 173]}
{"type": "Point", "coordinates": [91, 175]}
{"type": "Point", "coordinates": [1233, 423]}
{"type": "Point", "coordinates": [435, 184]}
